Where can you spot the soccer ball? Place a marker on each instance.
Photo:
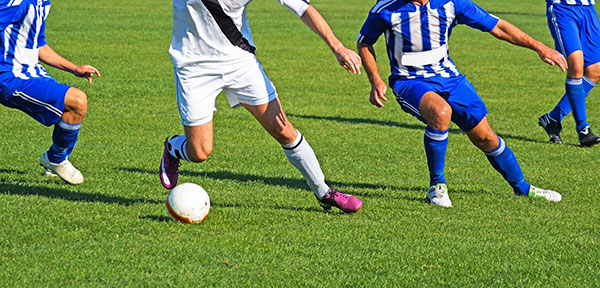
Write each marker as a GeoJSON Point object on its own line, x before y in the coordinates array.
{"type": "Point", "coordinates": [188, 203]}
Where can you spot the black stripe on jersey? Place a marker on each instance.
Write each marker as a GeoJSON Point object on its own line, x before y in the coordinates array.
{"type": "Point", "coordinates": [227, 26]}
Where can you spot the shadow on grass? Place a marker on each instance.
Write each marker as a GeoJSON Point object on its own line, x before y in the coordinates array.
{"type": "Point", "coordinates": [25, 190]}
{"type": "Point", "coordinates": [297, 183]}
{"type": "Point", "coordinates": [420, 127]}
{"type": "Point", "coordinates": [11, 171]}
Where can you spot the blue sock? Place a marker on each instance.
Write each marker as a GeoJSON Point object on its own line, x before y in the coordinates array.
{"type": "Point", "coordinates": [64, 138]}
{"type": "Point", "coordinates": [576, 95]}
{"type": "Point", "coordinates": [504, 161]}
{"type": "Point", "coordinates": [436, 142]}
{"type": "Point", "coordinates": [563, 108]}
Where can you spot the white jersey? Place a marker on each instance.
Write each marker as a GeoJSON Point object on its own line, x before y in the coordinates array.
{"type": "Point", "coordinates": [215, 30]}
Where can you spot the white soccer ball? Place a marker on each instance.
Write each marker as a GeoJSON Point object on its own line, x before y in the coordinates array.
{"type": "Point", "coordinates": [188, 203]}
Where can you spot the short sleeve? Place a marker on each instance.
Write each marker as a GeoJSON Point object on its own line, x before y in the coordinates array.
{"type": "Point", "coordinates": [470, 14]}
{"type": "Point", "coordinates": [373, 27]}
{"type": "Point", "coordinates": [297, 7]}
{"type": "Point", "coordinates": [10, 14]}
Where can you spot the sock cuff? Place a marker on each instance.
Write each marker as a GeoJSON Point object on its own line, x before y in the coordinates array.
{"type": "Point", "coordinates": [498, 150]}
{"type": "Point", "coordinates": [588, 81]}
{"type": "Point", "coordinates": [68, 126]}
{"type": "Point", "coordinates": [574, 81]}
{"type": "Point", "coordinates": [295, 143]}
{"type": "Point", "coordinates": [436, 135]}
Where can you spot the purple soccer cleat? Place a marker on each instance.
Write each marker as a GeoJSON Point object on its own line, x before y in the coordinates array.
{"type": "Point", "coordinates": [169, 167]}
{"type": "Point", "coordinates": [346, 203]}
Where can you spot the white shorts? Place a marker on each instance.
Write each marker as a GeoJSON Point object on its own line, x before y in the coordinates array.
{"type": "Point", "coordinates": [198, 85]}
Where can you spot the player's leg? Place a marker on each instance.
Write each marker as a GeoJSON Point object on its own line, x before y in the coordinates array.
{"type": "Point", "coordinates": [194, 146]}
{"type": "Point", "coordinates": [197, 87]}
{"type": "Point", "coordinates": [300, 154]}
{"type": "Point", "coordinates": [437, 114]}
{"type": "Point", "coordinates": [51, 103]}
{"type": "Point", "coordinates": [64, 138]}
{"type": "Point", "coordinates": [563, 22]}
{"type": "Point", "coordinates": [418, 98]}
{"type": "Point", "coordinates": [590, 78]}
{"type": "Point", "coordinates": [504, 161]}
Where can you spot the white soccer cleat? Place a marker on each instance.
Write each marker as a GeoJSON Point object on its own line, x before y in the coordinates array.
{"type": "Point", "coordinates": [64, 170]}
{"type": "Point", "coordinates": [549, 195]}
{"type": "Point", "coordinates": [438, 195]}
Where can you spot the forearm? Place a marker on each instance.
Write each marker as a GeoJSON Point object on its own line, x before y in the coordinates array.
{"type": "Point", "coordinates": [512, 34]}
{"type": "Point", "coordinates": [50, 57]}
{"type": "Point", "coordinates": [367, 56]}
{"type": "Point", "coordinates": [313, 19]}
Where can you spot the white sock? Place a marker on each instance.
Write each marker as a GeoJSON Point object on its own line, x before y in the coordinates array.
{"type": "Point", "coordinates": [177, 148]}
{"type": "Point", "coordinates": [302, 156]}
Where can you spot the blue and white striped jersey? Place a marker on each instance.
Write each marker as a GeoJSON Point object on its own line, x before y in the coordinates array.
{"type": "Point", "coordinates": [417, 36]}
{"type": "Point", "coordinates": [22, 26]}
{"type": "Point", "coordinates": [572, 2]}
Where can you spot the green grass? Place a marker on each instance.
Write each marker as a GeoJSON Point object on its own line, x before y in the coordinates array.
{"type": "Point", "coordinates": [265, 228]}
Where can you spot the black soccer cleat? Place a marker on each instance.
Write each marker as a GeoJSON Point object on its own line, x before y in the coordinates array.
{"type": "Point", "coordinates": [587, 137]}
{"type": "Point", "coordinates": [552, 128]}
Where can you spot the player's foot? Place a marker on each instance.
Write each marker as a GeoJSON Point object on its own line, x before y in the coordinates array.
{"type": "Point", "coordinates": [169, 167]}
{"type": "Point", "coordinates": [346, 203]}
{"type": "Point", "coordinates": [552, 128]}
{"type": "Point", "coordinates": [64, 170]}
{"type": "Point", "coordinates": [587, 137]}
{"type": "Point", "coordinates": [438, 195]}
{"type": "Point", "coordinates": [549, 195]}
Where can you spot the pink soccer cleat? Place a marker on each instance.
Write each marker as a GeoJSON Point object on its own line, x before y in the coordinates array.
{"type": "Point", "coordinates": [169, 167]}
{"type": "Point", "coordinates": [346, 203]}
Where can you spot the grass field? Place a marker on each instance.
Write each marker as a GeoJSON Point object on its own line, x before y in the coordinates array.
{"type": "Point", "coordinates": [265, 228]}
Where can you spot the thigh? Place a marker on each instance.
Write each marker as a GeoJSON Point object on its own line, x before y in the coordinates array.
{"type": "Point", "coordinates": [468, 108]}
{"type": "Point", "coordinates": [590, 36]}
{"type": "Point", "coordinates": [409, 94]}
{"type": "Point", "coordinates": [41, 98]}
{"type": "Point", "coordinates": [247, 83]}
{"type": "Point", "coordinates": [197, 87]}
{"type": "Point", "coordinates": [563, 21]}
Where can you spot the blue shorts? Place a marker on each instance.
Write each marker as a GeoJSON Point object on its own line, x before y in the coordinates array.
{"type": "Point", "coordinates": [42, 98]}
{"type": "Point", "coordinates": [467, 107]}
{"type": "Point", "coordinates": [575, 27]}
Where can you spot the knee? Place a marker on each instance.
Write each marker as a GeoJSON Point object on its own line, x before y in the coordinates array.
{"type": "Point", "coordinates": [285, 134]}
{"type": "Point", "coordinates": [486, 142]}
{"type": "Point", "coordinates": [198, 154]}
{"type": "Point", "coordinates": [576, 70]}
{"type": "Point", "coordinates": [441, 117]}
{"type": "Point", "coordinates": [593, 74]}
{"type": "Point", "coordinates": [76, 102]}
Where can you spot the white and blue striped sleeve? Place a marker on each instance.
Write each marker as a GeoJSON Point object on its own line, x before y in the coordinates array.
{"type": "Point", "coordinates": [297, 7]}
{"type": "Point", "coordinates": [470, 14]}
{"type": "Point", "coordinates": [373, 27]}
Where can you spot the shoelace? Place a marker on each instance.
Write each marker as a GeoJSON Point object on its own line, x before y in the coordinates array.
{"type": "Point", "coordinates": [439, 191]}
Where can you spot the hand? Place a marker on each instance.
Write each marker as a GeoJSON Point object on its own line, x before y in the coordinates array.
{"type": "Point", "coordinates": [552, 57]}
{"type": "Point", "coordinates": [348, 59]}
{"type": "Point", "coordinates": [378, 93]}
{"type": "Point", "coordinates": [86, 71]}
